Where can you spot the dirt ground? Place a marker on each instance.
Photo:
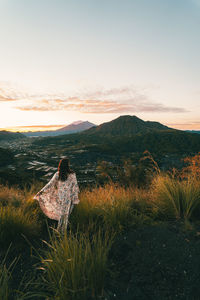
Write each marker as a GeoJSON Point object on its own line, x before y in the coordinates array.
{"type": "Point", "coordinates": [156, 262]}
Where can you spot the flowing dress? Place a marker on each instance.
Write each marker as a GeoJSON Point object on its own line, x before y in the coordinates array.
{"type": "Point", "coordinates": [57, 198]}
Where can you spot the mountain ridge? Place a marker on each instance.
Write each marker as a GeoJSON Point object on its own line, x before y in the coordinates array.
{"type": "Point", "coordinates": [126, 126]}
{"type": "Point", "coordinates": [74, 127]}
{"type": "Point", "coordinates": [78, 125]}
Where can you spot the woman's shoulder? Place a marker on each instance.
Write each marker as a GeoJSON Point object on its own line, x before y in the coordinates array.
{"type": "Point", "coordinates": [72, 175]}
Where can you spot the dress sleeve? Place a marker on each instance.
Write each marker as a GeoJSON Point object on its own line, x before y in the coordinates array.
{"type": "Point", "coordinates": [74, 190]}
{"type": "Point", "coordinates": [51, 184]}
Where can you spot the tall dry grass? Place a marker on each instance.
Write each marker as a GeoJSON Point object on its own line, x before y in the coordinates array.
{"type": "Point", "coordinates": [112, 206]}
{"type": "Point", "coordinates": [175, 197]}
{"type": "Point", "coordinates": [18, 217]}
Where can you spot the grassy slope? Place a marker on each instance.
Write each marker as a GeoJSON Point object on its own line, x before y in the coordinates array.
{"type": "Point", "coordinates": [154, 253]}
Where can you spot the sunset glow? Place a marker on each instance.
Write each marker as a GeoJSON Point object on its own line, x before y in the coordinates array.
{"type": "Point", "coordinates": [63, 61]}
{"type": "Point", "coordinates": [33, 128]}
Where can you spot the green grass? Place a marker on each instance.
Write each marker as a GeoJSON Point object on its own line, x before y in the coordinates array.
{"type": "Point", "coordinates": [14, 224]}
{"type": "Point", "coordinates": [75, 266]}
{"type": "Point", "coordinates": [5, 278]}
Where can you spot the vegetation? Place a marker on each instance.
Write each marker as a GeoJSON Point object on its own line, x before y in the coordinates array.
{"type": "Point", "coordinates": [116, 240]}
{"type": "Point", "coordinates": [6, 157]}
{"type": "Point", "coordinates": [75, 265]}
{"type": "Point", "coordinates": [7, 135]}
{"type": "Point", "coordinates": [128, 134]}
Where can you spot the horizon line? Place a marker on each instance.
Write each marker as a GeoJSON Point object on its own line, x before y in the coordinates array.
{"type": "Point", "coordinates": [35, 128]}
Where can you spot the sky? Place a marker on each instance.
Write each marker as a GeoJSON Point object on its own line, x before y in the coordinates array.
{"type": "Point", "coordinates": [68, 60]}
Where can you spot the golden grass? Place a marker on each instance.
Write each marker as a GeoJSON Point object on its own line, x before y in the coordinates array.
{"type": "Point", "coordinates": [174, 197]}
{"type": "Point", "coordinates": [112, 206]}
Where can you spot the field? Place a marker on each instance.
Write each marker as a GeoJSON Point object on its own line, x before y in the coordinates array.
{"type": "Point", "coordinates": [123, 242]}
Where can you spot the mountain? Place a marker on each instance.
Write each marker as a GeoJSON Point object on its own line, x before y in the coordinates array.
{"type": "Point", "coordinates": [8, 136]}
{"type": "Point", "coordinates": [74, 127]}
{"type": "Point", "coordinates": [128, 134]}
{"type": "Point", "coordinates": [77, 126]}
{"type": "Point", "coordinates": [126, 126]}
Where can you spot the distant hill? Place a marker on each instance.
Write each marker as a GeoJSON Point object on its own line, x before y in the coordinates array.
{"type": "Point", "coordinates": [74, 127]}
{"type": "Point", "coordinates": [193, 131]}
{"type": "Point", "coordinates": [77, 126]}
{"type": "Point", "coordinates": [8, 136]}
{"type": "Point", "coordinates": [126, 126]}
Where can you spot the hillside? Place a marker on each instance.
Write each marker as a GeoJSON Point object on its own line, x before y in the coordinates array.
{"type": "Point", "coordinates": [139, 244]}
{"type": "Point", "coordinates": [6, 157]}
{"type": "Point", "coordinates": [126, 126]}
{"type": "Point", "coordinates": [129, 134]}
{"type": "Point", "coordinates": [8, 136]}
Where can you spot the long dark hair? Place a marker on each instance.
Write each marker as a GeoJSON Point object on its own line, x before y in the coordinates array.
{"type": "Point", "coordinates": [64, 169]}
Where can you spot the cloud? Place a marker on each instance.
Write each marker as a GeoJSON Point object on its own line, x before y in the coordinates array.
{"type": "Point", "coordinates": [8, 93]}
{"type": "Point", "coordinates": [116, 92]}
{"type": "Point", "coordinates": [40, 126]}
{"type": "Point", "coordinates": [192, 125]}
{"type": "Point", "coordinates": [102, 101]}
{"type": "Point", "coordinates": [6, 99]}
{"type": "Point", "coordinates": [95, 106]}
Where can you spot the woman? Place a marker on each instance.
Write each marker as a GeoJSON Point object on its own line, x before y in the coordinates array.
{"type": "Point", "coordinates": [58, 196]}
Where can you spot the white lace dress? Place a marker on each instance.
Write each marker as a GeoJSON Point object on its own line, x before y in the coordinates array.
{"type": "Point", "coordinates": [57, 198]}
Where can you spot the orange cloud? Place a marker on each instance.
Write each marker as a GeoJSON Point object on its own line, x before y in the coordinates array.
{"type": "Point", "coordinates": [116, 100]}
{"type": "Point", "coordinates": [6, 99]}
{"type": "Point", "coordinates": [195, 125]}
{"type": "Point", "coordinates": [137, 104]}
{"type": "Point", "coordinates": [33, 128]}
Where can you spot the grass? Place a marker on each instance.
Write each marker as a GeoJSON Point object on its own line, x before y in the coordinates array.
{"type": "Point", "coordinates": [5, 278]}
{"type": "Point", "coordinates": [14, 224]}
{"type": "Point", "coordinates": [111, 206]}
{"type": "Point", "coordinates": [75, 266]}
{"type": "Point", "coordinates": [18, 217]}
{"type": "Point", "coordinates": [175, 197]}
